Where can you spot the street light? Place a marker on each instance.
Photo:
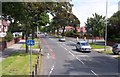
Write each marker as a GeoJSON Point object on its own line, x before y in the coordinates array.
{"type": "Point", "coordinates": [106, 25]}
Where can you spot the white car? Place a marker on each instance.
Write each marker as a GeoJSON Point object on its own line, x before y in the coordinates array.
{"type": "Point", "coordinates": [83, 46]}
{"type": "Point", "coordinates": [62, 39]}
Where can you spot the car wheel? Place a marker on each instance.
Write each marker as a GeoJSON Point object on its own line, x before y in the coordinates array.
{"type": "Point", "coordinates": [119, 53]}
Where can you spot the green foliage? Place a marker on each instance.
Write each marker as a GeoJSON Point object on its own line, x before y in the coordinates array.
{"type": "Point", "coordinates": [94, 46]}
{"type": "Point", "coordinates": [114, 27]}
{"type": "Point", "coordinates": [9, 37]}
{"type": "Point", "coordinates": [72, 34]}
{"type": "Point", "coordinates": [96, 25]}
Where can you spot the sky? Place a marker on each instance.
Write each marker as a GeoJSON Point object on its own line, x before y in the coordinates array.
{"type": "Point", "coordinates": [85, 8]}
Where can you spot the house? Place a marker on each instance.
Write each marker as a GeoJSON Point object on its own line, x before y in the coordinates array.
{"type": "Point", "coordinates": [4, 27]}
{"type": "Point", "coordinates": [79, 29]}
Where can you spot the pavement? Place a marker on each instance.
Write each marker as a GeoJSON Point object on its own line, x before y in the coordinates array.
{"type": "Point", "coordinates": [11, 49]}
{"type": "Point", "coordinates": [14, 48]}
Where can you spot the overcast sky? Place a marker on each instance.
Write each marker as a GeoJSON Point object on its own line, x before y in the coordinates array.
{"type": "Point", "coordinates": [85, 8]}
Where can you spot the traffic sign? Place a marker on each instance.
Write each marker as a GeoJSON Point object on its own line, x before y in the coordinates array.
{"type": "Point", "coordinates": [30, 42]}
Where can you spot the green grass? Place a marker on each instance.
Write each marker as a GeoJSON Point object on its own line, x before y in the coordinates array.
{"type": "Point", "coordinates": [34, 46]}
{"type": "Point", "coordinates": [119, 57]}
{"type": "Point", "coordinates": [94, 46]}
{"type": "Point", "coordinates": [18, 64]}
{"type": "Point", "coordinates": [107, 52]}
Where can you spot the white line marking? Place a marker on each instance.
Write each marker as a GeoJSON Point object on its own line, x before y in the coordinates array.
{"type": "Point", "coordinates": [72, 42]}
{"type": "Point", "coordinates": [48, 55]}
{"type": "Point", "coordinates": [66, 49]}
{"type": "Point", "coordinates": [51, 50]}
{"type": "Point", "coordinates": [80, 60]}
{"type": "Point", "coordinates": [61, 46]}
{"type": "Point", "coordinates": [73, 55]}
{"type": "Point", "coordinates": [51, 70]}
{"type": "Point", "coordinates": [94, 73]}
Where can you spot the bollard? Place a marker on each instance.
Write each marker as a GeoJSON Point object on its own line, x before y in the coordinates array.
{"type": "Point", "coordinates": [77, 39]}
{"type": "Point", "coordinates": [35, 69]}
{"type": "Point", "coordinates": [32, 74]}
{"type": "Point", "coordinates": [41, 52]}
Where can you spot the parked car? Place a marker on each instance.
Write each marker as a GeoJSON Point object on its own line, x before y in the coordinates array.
{"type": "Point", "coordinates": [83, 46]}
{"type": "Point", "coordinates": [116, 48]}
{"type": "Point", "coordinates": [62, 39]}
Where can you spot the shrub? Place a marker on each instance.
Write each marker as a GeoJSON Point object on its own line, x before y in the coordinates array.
{"type": "Point", "coordinates": [8, 37]}
{"type": "Point", "coordinates": [69, 33]}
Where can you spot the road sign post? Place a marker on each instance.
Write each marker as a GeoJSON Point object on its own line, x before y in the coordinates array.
{"type": "Point", "coordinates": [30, 43]}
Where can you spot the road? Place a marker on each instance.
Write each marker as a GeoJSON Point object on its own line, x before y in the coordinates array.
{"type": "Point", "coordinates": [61, 58]}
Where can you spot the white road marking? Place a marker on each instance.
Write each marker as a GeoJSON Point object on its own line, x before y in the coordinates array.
{"type": "Point", "coordinates": [51, 50]}
{"type": "Point", "coordinates": [51, 70]}
{"type": "Point", "coordinates": [80, 60]}
{"type": "Point", "coordinates": [73, 54]}
{"type": "Point", "coordinates": [94, 73]}
{"type": "Point", "coordinates": [72, 42]}
{"type": "Point", "coordinates": [48, 55]}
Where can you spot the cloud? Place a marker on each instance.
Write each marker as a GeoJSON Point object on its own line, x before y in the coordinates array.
{"type": "Point", "coordinates": [84, 9]}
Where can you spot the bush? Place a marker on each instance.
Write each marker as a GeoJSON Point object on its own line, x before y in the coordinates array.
{"type": "Point", "coordinates": [69, 33]}
{"type": "Point", "coordinates": [8, 37]}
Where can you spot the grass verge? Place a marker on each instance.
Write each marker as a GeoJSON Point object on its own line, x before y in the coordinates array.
{"type": "Point", "coordinates": [18, 64]}
{"type": "Point", "coordinates": [94, 46]}
{"type": "Point", "coordinates": [107, 52]}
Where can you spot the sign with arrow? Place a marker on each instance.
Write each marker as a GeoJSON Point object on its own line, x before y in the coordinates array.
{"type": "Point", "coordinates": [30, 42]}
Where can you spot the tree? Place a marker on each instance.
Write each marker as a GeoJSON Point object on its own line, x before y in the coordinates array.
{"type": "Point", "coordinates": [96, 25]}
{"type": "Point", "coordinates": [74, 21]}
{"type": "Point", "coordinates": [34, 14]}
{"type": "Point", "coordinates": [114, 26]}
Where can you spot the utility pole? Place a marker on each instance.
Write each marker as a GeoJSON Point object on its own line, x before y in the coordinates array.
{"type": "Point", "coordinates": [106, 25]}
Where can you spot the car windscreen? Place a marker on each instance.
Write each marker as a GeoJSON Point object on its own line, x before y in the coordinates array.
{"type": "Point", "coordinates": [84, 44]}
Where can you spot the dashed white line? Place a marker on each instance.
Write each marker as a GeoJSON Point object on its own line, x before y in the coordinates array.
{"type": "Point", "coordinates": [51, 70]}
{"type": "Point", "coordinates": [73, 54]}
{"type": "Point", "coordinates": [51, 50]}
{"type": "Point", "coordinates": [94, 73]}
{"type": "Point", "coordinates": [72, 42]}
{"type": "Point", "coordinates": [80, 60]}
{"type": "Point", "coordinates": [48, 55]}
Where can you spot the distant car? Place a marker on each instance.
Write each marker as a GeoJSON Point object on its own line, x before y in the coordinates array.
{"type": "Point", "coordinates": [83, 46]}
{"type": "Point", "coordinates": [116, 48]}
{"type": "Point", "coordinates": [45, 34]}
{"type": "Point", "coordinates": [62, 39]}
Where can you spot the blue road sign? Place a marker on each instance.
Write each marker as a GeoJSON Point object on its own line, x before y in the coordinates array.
{"type": "Point", "coordinates": [30, 42]}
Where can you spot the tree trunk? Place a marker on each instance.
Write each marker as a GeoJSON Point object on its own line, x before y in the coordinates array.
{"type": "Point", "coordinates": [63, 33]}
{"type": "Point", "coordinates": [33, 35]}
{"type": "Point", "coordinates": [57, 31]}
{"type": "Point", "coordinates": [75, 29]}
{"type": "Point", "coordinates": [26, 41]}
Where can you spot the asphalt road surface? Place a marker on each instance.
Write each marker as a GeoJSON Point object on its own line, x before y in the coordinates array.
{"type": "Point", "coordinates": [61, 58]}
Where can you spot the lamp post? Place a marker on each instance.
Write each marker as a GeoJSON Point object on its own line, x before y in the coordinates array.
{"type": "Point", "coordinates": [106, 25]}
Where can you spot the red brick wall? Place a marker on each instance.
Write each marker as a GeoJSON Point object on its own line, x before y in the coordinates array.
{"type": "Point", "coordinates": [4, 44]}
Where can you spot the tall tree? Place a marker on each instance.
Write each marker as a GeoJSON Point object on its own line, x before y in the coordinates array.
{"type": "Point", "coordinates": [32, 13]}
{"type": "Point", "coordinates": [96, 25]}
{"type": "Point", "coordinates": [114, 25]}
{"type": "Point", "coordinates": [74, 21]}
